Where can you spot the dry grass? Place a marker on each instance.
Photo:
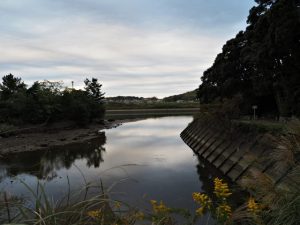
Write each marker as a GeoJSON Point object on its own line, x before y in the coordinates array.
{"type": "Point", "coordinates": [281, 203]}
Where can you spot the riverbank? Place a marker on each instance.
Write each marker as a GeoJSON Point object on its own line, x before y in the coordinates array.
{"type": "Point", "coordinates": [55, 135]}
{"type": "Point", "coordinates": [150, 105]}
{"type": "Point", "coordinates": [240, 150]}
{"type": "Point", "coordinates": [144, 112]}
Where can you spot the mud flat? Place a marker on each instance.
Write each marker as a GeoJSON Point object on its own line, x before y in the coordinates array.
{"type": "Point", "coordinates": [59, 134]}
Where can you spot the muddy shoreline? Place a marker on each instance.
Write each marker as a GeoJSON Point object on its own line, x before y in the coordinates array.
{"type": "Point", "coordinates": [57, 135]}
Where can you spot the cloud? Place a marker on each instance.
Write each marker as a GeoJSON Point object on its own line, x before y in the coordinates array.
{"type": "Point", "coordinates": [136, 47]}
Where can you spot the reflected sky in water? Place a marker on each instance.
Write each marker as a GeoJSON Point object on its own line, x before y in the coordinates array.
{"type": "Point", "coordinates": [149, 154]}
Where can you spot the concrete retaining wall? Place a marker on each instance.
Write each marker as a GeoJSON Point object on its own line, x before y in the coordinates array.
{"type": "Point", "coordinates": [234, 152]}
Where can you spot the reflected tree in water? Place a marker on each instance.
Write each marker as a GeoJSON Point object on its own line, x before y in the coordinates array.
{"type": "Point", "coordinates": [44, 164]}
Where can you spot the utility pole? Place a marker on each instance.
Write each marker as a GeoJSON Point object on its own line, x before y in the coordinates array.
{"type": "Point", "coordinates": [72, 84]}
{"type": "Point", "coordinates": [254, 107]}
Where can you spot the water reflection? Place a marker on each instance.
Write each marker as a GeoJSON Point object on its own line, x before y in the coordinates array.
{"type": "Point", "coordinates": [207, 173]}
{"type": "Point", "coordinates": [161, 167]}
{"type": "Point", "coordinates": [44, 164]}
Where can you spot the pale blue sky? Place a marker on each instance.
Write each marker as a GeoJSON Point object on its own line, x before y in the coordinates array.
{"type": "Point", "coordinates": [134, 47]}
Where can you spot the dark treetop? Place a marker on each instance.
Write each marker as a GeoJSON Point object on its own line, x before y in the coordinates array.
{"type": "Point", "coordinates": [262, 63]}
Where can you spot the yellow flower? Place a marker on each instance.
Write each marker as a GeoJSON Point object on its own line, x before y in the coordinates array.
{"type": "Point", "coordinates": [200, 211]}
{"type": "Point", "coordinates": [117, 205]}
{"type": "Point", "coordinates": [223, 210]}
{"type": "Point", "coordinates": [202, 199]}
{"type": "Point", "coordinates": [221, 189]}
{"type": "Point", "coordinates": [252, 206]}
{"type": "Point", "coordinates": [153, 202]}
{"type": "Point", "coordinates": [139, 215]}
{"type": "Point", "coordinates": [95, 214]}
{"type": "Point", "coordinates": [159, 208]}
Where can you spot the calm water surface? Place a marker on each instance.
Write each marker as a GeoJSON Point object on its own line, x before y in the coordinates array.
{"type": "Point", "coordinates": [145, 159]}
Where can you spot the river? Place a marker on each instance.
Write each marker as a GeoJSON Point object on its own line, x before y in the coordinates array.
{"type": "Point", "coordinates": [141, 160]}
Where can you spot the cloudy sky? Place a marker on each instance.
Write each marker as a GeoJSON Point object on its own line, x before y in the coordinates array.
{"type": "Point", "coordinates": [134, 47]}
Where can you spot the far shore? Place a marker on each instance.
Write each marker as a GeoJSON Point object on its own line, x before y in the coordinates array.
{"type": "Point", "coordinates": [142, 113]}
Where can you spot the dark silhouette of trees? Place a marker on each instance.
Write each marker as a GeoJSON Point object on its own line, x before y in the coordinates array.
{"type": "Point", "coordinates": [93, 88]}
{"type": "Point", "coordinates": [49, 101]}
{"type": "Point", "coordinates": [261, 63]}
{"type": "Point", "coordinates": [10, 86]}
{"type": "Point", "coordinates": [94, 97]}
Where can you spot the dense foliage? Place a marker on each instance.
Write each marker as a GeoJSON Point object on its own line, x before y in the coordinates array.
{"type": "Point", "coordinates": [262, 63]}
{"type": "Point", "coordinates": [49, 101]}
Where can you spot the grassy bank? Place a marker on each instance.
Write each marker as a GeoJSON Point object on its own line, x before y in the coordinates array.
{"type": "Point", "coordinates": [261, 125]}
{"type": "Point", "coordinates": [154, 105]}
{"type": "Point", "coordinates": [146, 113]}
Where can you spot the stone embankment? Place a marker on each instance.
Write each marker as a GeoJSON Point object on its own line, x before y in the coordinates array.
{"type": "Point", "coordinates": [234, 151]}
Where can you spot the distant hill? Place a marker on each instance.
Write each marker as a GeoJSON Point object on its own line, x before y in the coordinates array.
{"type": "Point", "coordinates": [185, 100]}
{"type": "Point", "coordinates": [123, 98]}
{"type": "Point", "coordinates": [188, 96]}
{"type": "Point", "coordinates": [130, 99]}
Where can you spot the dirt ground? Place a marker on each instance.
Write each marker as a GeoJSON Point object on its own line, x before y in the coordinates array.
{"type": "Point", "coordinates": [51, 136]}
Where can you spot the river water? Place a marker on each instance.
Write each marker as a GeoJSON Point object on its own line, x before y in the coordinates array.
{"type": "Point", "coordinates": [139, 160]}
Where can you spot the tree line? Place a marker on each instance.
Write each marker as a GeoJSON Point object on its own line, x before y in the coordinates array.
{"type": "Point", "coordinates": [261, 65]}
{"type": "Point", "coordinates": [48, 101]}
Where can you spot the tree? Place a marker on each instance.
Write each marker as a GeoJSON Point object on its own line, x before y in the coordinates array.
{"type": "Point", "coordinates": [261, 63]}
{"type": "Point", "coordinates": [93, 88]}
{"type": "Point", "coordinates": [44, 101]}
{"type": "Point", "coordinates": [11, 85]}
{"type": "Point", "coordinates": [77, 106]}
